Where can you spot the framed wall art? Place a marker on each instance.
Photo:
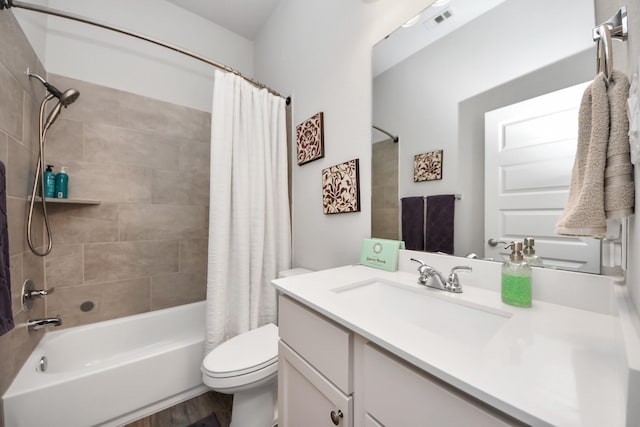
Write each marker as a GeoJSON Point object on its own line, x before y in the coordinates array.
{"type": "Point", "coordinates": [427, 166]}
{"type": "Point", "coordinates": [341, 188]}
{"type": "Point", "coordinates": [310, 139]}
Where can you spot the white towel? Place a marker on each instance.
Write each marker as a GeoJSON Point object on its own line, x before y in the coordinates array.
{"type": "Point", "coordinates": [601, 182]}
{"type": "Point", "coordinates": [618, 184]}
{"type": "Point", "coordinates": [584, 213]}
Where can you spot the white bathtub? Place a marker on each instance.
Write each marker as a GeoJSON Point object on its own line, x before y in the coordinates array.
{"type": "Point", "coordinates": [112, 372]}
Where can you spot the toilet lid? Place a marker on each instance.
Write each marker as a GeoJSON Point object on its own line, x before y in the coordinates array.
{"type": "Point", "coordinates": [244, 353]}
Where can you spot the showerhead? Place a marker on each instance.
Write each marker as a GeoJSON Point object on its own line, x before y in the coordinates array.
{"type": "Point", "coordinates": [67, 97]}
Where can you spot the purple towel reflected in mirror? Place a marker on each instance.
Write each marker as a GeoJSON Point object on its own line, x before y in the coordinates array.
{"type": "Point", "coordinates": [6, 315]}
{"type": "Point", "coordinates": [439, 232]}
{"type": "Point", "coordinates": [413, 222]}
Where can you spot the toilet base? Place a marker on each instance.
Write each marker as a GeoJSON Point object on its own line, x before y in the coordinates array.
{"type": "Point", "coordinates": [256, 407]}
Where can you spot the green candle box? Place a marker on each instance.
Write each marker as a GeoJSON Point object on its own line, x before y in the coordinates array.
{"type": "Point", "coordinates": [381, 253]}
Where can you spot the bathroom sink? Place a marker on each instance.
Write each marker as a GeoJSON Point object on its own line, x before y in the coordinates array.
{"type": "Point", "coordinates": [462, 321]}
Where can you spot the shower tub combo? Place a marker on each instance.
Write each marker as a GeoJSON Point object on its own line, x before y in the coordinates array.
{"type": "Point", "coordinates": [110, 373]}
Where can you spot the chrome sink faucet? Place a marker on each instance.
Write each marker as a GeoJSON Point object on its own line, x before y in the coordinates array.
{"type": "Point", "coordinates": [432, 278]}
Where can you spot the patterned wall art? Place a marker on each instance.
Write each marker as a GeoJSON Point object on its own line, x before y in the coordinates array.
{"type": "Point", "coordinates": [310, 139]}
{"type": "Point", "coordinates": [427, 166]}
{"type": "Point", "coordinates": [341, 188]}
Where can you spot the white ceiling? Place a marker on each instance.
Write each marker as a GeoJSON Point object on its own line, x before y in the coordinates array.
{"type": "Point", "coordinates": [406, 41]}
{"type": "Point", "coordinates": [243, 17]}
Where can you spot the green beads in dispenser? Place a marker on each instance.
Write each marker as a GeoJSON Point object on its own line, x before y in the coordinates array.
{"type": "Point", "coordinates": [516, 278]}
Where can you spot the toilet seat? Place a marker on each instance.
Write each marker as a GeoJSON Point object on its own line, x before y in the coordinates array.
{"type": "Point", "coordinates": [244, 354]}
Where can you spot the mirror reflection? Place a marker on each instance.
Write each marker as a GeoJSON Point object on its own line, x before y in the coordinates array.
{"type": "Point", "coordinates": [450, 82]}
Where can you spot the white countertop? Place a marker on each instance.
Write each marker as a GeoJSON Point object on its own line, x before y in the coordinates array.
{"type": "Point", "coordinates": [548, 365]}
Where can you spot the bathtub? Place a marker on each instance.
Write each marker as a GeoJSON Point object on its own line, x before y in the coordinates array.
{"type": "Point", "coordinates": [110, 373]}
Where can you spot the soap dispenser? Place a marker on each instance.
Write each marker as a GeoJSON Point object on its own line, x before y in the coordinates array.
{"type": "Point", "coordinates": [62, 183]}
{"type": "Point", "coordinates": [516, 278]}
{"type": "Point", "coordinates": [49, 182]}
{"type": "Point", "coordinates": [529, 253]}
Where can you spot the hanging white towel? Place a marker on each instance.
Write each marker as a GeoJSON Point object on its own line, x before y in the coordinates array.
{"type": "Point", "coordinates": [249, 227]}
{"type": "Point", "coordinates": [584, 213]}
{"type": "Point", "coordinates": [602, 182]}
{"type": "Point", "coordinates": [618, 184]}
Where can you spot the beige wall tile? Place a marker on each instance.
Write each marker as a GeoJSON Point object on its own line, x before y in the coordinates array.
{"type": "Point", "coordinates": [16, 217]}
{"type": "Point", "coordinates": [11, 94]}
{"type": "Point", "coordinates": [64, 143]}
{"type": "Point", "coordinates": [20, 171]}
{"type": "Point", "coordinates": [146, 114]}
{"type": "Point", "coordinates": [195, 156]}
{"type": "Point", "coordinates": [126, 260]}
{"type": "Point", "coordinates": [169, 290]}
{"type": "Point", "coordinates": [111, 300]}
{"type": "Point", "coordinates": [83, 223]}
{"type": "Point", "coordinates": [96, 104]}
{"type": "Point", "coordinates": [143, 222]}
{"type": "Point", "coordinates": [4, 150]}
{"type": "Point", "coordinates": [109, 144]}
{"type": "Point", "coordinates": [33, 268]}
{"type": "Point", "coordinates": [15, 268]}
{"type": "Point", "coordinates": [180, 188]}
{"type": "Point", "coordinates": [15, 50]}
{"type": "Point", "coordinates": [30, 123]}
{"type": "Point", "coordinates": [194, 255]}
{"type": "Point", "coordinates": [63, 266]}
{"type": "Point", "coordinates": [109, 183]}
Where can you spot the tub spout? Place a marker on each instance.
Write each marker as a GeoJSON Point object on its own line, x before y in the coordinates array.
{"type": "Point", "coordinates": [36, 324]}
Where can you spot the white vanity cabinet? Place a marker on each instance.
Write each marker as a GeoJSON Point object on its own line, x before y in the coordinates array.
{"type": "Point", "coordinates": [397, 394]}
{"type": "Point", "coordinates": [323, 368]}
{"type": "Point", "coordinates": [315, 383]}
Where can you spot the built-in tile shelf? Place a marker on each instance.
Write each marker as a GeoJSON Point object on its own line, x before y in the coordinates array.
{"type": "Point", "coordinates": [68, 201]}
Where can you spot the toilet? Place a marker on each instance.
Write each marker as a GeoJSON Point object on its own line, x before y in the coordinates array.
{"type": "Point", "coordinates": [247, 367]}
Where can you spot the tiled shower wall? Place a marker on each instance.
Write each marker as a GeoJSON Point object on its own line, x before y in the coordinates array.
{"type": "Point", "coordinates": [144, 247]}
{"type": "Point", "coordinates": [19, 100]}
{"type": "Point", "coordinates": [384, 190]}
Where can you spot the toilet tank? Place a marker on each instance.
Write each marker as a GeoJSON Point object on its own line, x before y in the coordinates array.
{"type": "Point", "coordinates": [293, 272]}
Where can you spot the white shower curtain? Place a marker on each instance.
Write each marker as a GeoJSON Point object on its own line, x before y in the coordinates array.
{"type": "Point", "coordinates": [249, 222]}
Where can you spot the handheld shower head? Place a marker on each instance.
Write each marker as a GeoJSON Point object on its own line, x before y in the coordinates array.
{"type": "Point", "coordinates": [67, 97]}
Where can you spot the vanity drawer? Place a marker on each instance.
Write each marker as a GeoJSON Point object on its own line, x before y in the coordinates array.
{"type": "Point", "coordinates": [320, 341]}
{"type": "Point", "coordinates": [399, 394]}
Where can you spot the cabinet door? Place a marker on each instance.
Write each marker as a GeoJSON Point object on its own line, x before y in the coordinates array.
{"type": "Point", "coordinates": [397, 394]}
{"type": "Point", "coordinates": [305, 397]}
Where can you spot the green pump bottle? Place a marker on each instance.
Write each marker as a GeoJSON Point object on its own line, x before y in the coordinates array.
{"type": "Point", "coordinates": [516, 278]}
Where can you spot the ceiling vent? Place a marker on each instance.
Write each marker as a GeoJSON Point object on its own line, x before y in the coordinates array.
{"type": "Point", "coordinates": [439, 19]}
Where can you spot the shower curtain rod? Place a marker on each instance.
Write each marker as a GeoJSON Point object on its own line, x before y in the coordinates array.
{"type": "Point", "coordinates": [394, 137]}
{"type": "Point", "coordinates": [7, 4]}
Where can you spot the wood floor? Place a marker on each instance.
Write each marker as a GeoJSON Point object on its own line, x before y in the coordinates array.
{"type": "Point", "coordinates": [185, 413]}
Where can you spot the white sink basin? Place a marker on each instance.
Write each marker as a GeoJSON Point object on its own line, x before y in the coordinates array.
{"type": "Point", "coordinates": [462, 321]}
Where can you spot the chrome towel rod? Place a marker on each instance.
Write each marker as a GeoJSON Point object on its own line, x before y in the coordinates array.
{"type": "Point", "coordinates": [7, 4]}
{"type": "Point", "coordinates": [616, 27]}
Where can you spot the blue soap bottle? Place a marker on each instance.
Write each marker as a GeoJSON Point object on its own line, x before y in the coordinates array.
{"type": "Point", "coordinates": [49, 182]}
{"type": "Point", "coordinates": [62, 183]}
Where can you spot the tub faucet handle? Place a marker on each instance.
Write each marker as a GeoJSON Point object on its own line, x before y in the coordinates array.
{"type": "Point", "coordinates": [29, 293]}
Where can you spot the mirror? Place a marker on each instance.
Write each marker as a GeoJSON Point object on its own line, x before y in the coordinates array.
{"type": "Point", "coordinates": [434, 81]}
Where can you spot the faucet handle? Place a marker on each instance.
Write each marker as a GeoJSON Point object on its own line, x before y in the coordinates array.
{"type": "Point", "coordinates": [453, 283]}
